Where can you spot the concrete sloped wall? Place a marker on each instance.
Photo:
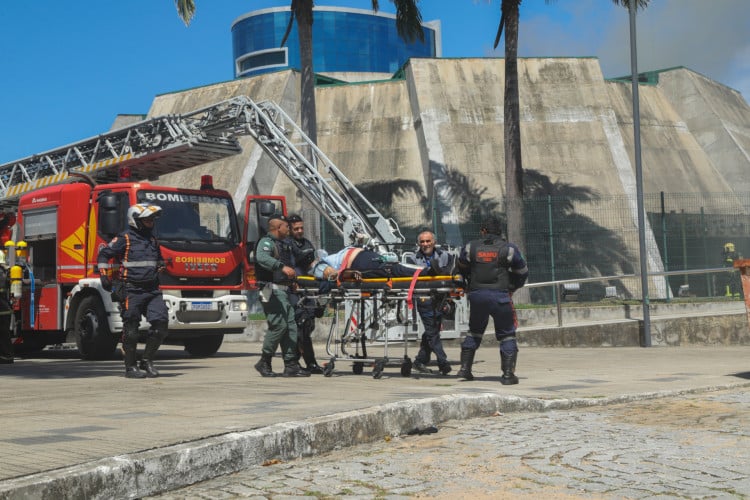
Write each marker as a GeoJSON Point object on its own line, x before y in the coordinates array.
{"type": "Point", "coordinates": [672, 159]}
{"type": "Point", "coordinates": [366, 130]}
{"type": "Point", "coordinates": [569, 126]}
{"type": "Point", "coordinates": [448, 113]}
{"type": "Point", "coordinates": [719, 119]}
{"type": "Point", "coordinates": [458, 118]}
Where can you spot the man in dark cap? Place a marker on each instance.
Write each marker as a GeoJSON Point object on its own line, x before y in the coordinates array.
{"type": "Point", "coordinates": [496, 268]}
{"type": "Point", "coordinates": [307, 309]}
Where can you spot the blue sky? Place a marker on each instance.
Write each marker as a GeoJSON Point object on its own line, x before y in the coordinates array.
{"type": "Point", "coordinates": [68, 68]}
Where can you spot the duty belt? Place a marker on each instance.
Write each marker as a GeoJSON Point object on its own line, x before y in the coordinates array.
{"type": "Point", "coordinates": [276, 286]}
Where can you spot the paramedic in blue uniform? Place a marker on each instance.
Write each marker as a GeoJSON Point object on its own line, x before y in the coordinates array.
{"type": "Point", "coordinates": [306, 309]}
{"type": "Point", "coordinates": [441, 262]}
{"type": "Point", "coordinates": [137, 254]}
{"type": "Point", "coordinates": [496, 268]}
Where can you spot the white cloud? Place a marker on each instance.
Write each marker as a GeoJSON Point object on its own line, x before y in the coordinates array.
{"type": "Point", "coordinates": [709, 37]}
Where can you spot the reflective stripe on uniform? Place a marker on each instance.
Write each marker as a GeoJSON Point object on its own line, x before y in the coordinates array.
{"type": "Point", "coordinates": [139, 263]}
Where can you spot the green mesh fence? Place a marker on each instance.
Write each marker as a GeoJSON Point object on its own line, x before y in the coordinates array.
{"type": "Point", "coordinates": [582, 238]}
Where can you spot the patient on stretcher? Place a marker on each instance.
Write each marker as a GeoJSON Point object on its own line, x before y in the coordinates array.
{"type": "Point", "coordinates": [366, 263]}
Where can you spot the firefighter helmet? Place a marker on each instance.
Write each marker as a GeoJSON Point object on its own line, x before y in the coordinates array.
{"type": "Point", "coordinates": [729, 247]}
{"type": "Point", "coordinates": [141, 211]}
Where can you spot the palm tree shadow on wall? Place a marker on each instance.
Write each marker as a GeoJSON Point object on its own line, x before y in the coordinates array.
{"type": "Point", "coordinates": [581, 247]}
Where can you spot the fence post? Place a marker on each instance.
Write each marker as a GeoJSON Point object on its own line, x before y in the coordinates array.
{"type": "Point", "coordinates": [664, 243]}
{"type": "Point", "coordinates": [704, 231]}
{"type": "Point", "coordinates": [551, 246]}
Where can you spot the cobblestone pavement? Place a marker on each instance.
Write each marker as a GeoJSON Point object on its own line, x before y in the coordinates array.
{"type": "Point", "coordinates": [694, 446]}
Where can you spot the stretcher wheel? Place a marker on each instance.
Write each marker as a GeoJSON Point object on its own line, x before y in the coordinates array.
{"type": "Point", "coordinates": [328, 368]}
{"type": "Point", "coordinates": [406, 367]}
{"type": "Point", "coordinates": [358, 368]}
{"type": "Point", "coordinates": [377, 370]}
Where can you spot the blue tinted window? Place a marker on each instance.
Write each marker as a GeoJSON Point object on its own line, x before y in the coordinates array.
{"type": "Point", "coordinates": [274, 58]}
{"type": "Point", "coordinates": [342, 41]}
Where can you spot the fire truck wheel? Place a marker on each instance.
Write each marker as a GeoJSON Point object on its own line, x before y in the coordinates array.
{"type": "Point", "coordinates": [207, 345]}
{"type": "Point", "coordinates": [91, 330]}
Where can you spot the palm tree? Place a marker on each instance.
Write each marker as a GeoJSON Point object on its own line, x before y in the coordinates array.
{"type": "Point", "coordinates": [509, 18]}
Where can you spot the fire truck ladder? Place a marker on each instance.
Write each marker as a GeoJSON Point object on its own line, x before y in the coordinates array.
{"type": "Point", "coordinates": [334, 196]}
{"type": "Point", "coordinates": [150, 148]}
{"type": "Point", "coordinates": [170, 143]}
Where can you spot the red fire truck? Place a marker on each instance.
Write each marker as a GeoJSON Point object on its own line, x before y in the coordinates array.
{"type": "Point", "coordinates": [59, 232]}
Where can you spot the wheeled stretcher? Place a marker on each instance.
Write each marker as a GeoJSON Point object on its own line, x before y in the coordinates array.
{"type": "Point", "coordinates": [369, 311]}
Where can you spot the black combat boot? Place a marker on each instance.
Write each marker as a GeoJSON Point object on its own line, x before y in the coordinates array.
{"type": "Point", "coordinates": [445, 368]}
{"type": "Point", "coordinates": [467, 359]}
{"type": "Point", "coordinates": [147, 363]}
{"type": "Point", "coordinates": [420, 366]}
{"type": "Point", "coordinates": [508, 365]}
{"type": "Point", "coordinates": [315, 369]}
{"type": "Point", "coordinates": [422, 359]}
{"type": "Point", "coordinates": [308, 354]}
{"type": "Point", "coordinates": [264, 365]}
{"type": "Point", "coordinates": [131, 368]}
{"type": "Point", "coordinates": [292, 369]}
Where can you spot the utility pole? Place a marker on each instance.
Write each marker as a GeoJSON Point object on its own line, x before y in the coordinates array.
{"type": "Point", "coordinates": [639, 180]}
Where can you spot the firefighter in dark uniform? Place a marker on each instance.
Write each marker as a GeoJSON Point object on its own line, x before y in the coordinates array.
{"type": "Point", "coordinates": [276, 277]}
{"type": "Point", "coordinates": [496, 269]}
{"type": "Point", "coordinates": [138, 257]}
{"type": "Point", "coordinates": [306, 309]}
{"type": "Point", "coordinates": [429, 308]}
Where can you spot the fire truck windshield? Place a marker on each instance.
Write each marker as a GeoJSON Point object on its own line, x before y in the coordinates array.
{"type": "Point", "coordinates": [193, 217]}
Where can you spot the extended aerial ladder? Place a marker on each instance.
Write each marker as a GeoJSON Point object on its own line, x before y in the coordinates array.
{"type": "Point", "coordinates": [170, 143]}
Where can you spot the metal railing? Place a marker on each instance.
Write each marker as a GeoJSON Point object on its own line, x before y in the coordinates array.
{"type": "Point", "coordinates": [560, 291]}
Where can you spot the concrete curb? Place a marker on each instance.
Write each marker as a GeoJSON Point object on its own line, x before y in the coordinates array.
{"type": "Point", "coordinates": [150, 472]}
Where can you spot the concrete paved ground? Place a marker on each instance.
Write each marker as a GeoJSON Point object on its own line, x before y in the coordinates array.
{"type": "Point", "coordinates": [687, 446]}
{"type": "Point", "coordinates": [73, 429]}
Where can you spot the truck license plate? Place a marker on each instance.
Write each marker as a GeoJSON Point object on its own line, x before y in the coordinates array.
{"type": "Point", "coordinates": [202, 306]}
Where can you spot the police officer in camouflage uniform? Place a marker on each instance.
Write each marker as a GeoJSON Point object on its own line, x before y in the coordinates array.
{"type": "Point", "coordinates": [275, 274]}
{"type": "Point", "coordinates": [496, 268]}
{"type": "Point", "coordinates": [139, 262]}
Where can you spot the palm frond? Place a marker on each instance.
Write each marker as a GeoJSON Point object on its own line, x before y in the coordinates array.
{"type": "Point", "coordinates": [186, 10]}
{"type": "Point", "coordinates": [639, 4]}
{"type": "Point", "coordinates": [408, 20]}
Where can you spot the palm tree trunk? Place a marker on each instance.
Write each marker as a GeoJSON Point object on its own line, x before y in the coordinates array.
{"type": "Point", "coordinates": [308, 113]}
{"type": "Point", "coordinates": [512, 128]}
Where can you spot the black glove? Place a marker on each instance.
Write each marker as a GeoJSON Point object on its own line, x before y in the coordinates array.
{"type": "Point", "coordinates": [106, 282]}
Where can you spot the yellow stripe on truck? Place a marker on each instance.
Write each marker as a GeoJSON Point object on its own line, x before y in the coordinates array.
{"type": "Point", "coordinates": [54, 179]}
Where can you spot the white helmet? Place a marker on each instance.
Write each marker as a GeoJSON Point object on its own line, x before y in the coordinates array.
{"type": "Point", "coordinates": [141, 211]}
